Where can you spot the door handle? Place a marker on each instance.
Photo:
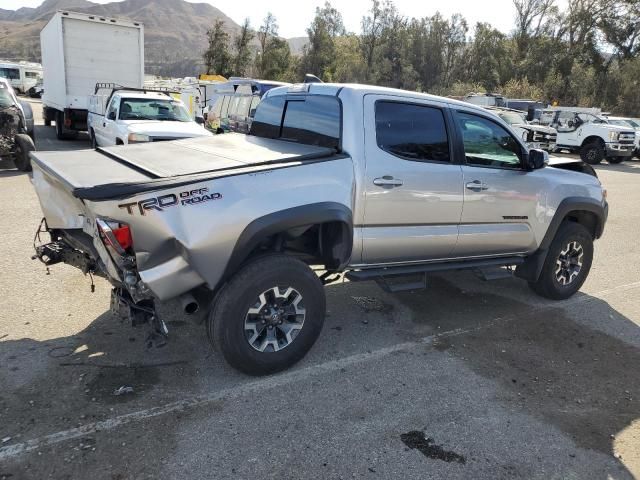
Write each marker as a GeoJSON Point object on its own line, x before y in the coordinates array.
{"type": "Point", "coordinates": [104, 125]}
{"type": "Point", "coordinates": [477, 186]}
{"type": "Point", "coordinates": [388, 181]}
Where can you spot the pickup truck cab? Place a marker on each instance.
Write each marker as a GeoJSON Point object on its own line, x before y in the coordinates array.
{"type": "Point", "coordinates": [586, 132]}
{"type": "Point", "coordinates": [368, 182]}
{"type": "Point", "coordinates": [138, 116]}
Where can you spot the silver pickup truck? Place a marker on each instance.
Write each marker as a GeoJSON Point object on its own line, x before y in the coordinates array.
{"type": "Point", "coordinates": [373, 183]}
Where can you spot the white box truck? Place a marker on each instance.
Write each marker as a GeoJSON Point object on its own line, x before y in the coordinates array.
{"type": "Point", "coordinates": [80, 50]}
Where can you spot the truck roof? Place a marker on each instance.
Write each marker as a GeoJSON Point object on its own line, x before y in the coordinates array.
{"type": "Point", "coordinates": [362, 89]}
{"type": "Point", "coordinates": [147, 95]}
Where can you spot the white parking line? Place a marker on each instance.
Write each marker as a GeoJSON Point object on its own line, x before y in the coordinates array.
{"type": "Point", "coordinates": [278, 380]}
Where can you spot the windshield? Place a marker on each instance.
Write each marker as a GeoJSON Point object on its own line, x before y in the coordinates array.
{"type": "Point", "coordinates": [6, 99]}
{"type": "Point", "coordinates": [512, 118]}
{"type": "Point", "coordinates": [624, 123]}
{"type": "Point", "coordinates": [153, 109]}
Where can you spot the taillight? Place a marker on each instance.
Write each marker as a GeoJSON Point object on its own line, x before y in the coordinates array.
{"type": "Point", "coordinates": [123, 236]}
{"type": "Point", "coordinates": [115, 235]}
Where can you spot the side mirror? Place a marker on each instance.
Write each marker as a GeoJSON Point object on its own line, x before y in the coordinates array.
{"type": "Point", "coordinates": [112, 115]}
{"type": "Point", "coordinates": [200, 120]}
{"type": "Point", "coordinates": [536, 159]}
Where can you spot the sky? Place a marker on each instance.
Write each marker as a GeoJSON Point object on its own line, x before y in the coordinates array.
{"type": "Point", "coordinates": [294, 17]}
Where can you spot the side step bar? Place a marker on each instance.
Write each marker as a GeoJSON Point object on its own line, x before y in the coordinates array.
{"type": "Point", "coordinates": [383, 274]}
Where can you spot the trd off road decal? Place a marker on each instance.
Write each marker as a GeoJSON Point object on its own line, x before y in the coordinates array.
{"type": "Point", "coordinates": [190, 197]}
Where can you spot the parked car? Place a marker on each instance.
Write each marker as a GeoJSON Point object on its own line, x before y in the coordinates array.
{"type": "Point", "coordinates": [628, 122]}
{"type": "Point", "coordinates": [485, 99]}
{"type": "Point", "coordinates": [587, 132]}
{"type": "Point", "coordinates": [377, 183]}
{"type": "Point", "coordinates": [21, 75]}
{"type": "Point", "coordinates": [535, 136]}
{"type": "Point", "coordinates": [15, 143]}
{"type": "Point", "coordinates": [233, 103]}
{"type": "Point", "coordinates": [125, 116]}
{"type": "Point", "coordinates": [37, 90]}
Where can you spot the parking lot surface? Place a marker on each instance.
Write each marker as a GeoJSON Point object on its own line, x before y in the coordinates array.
{"type": "Point", "coordinates": [466, 379]}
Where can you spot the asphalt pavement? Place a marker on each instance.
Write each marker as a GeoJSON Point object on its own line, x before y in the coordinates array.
{"type": "Point", "coordinates": [466, 379]}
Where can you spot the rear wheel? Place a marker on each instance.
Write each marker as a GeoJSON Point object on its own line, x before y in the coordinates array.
{"type": "Point", "coordinates": [61, 132]}
{"type": "Point", "coordinates": [24, 145]}
{"type": "Point", "coordinates": [615, 160]}
{"type": "Point", "coordinates": [268, 316]}
{"type": "Point", "coordinates": [567, 264]}
{"type": "Point", "coordinates": [592, 153]}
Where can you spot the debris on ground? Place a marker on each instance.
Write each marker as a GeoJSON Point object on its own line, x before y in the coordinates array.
{"type": "Point", "coordinates": [419, 441]}
{"type": "Point", "coordinates": [122, 391]}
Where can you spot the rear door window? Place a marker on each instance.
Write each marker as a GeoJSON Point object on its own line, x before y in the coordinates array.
{"type": "Point", "coordinates": [308, 119]}
{"type": "Point", "coordinates": [413, 132]}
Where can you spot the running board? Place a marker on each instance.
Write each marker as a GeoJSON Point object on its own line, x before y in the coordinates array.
{"type": "Point", "coordinates": [382, 272]}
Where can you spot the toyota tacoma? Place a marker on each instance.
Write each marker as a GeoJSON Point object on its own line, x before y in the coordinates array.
{"type": "Point", "coordinates": [368, 182]}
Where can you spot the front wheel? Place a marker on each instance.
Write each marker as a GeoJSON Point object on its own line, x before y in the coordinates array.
{"type": "Point", "coordinates": [268, 316]}
{"type": "Point", "coordinates": [567, 264]}
{"type": "Point", "coordinates": [615, 160]}
{"type": "Point", "coordinates": [592, 153]}
{"type": "Point", "coordinates": [24, 145]}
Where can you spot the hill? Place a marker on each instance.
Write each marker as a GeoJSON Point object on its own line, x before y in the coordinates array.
{"type": "Point", "coordinates": [175, 30]}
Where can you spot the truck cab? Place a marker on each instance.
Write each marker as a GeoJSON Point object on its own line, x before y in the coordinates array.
{"type": "Point", "coordinates": [135, 116]}
{"type": "Point", "coordinates": [587, 132]}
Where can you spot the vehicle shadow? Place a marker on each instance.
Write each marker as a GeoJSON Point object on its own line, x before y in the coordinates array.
{"type": "Point", "coordinates": [580, 380]}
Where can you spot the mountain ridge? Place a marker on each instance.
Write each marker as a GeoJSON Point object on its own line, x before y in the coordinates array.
{"type": "Point", "coordinates": [175, 30]}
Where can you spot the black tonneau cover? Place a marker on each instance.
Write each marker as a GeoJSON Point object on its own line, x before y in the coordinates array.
{"type": "Point", "coordinates": [118, 172]}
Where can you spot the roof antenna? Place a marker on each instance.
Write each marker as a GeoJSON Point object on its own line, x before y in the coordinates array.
{"type": "Point", "coordinates": [308, 78]}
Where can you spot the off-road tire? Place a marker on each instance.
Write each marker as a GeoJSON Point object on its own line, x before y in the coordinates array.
{"type": "Point", "coordinates": [592, 153]}
{"type": "Point", "coordinates": [615, 160]}
{"type": "Point", "coordinates": [24, 145]}
{"type": "Point", "coordinates": [227, 322]}
{"type": "Point", "coordinates": [548, 285]}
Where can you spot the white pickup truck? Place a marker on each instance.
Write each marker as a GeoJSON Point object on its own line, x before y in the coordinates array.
{"type": "Point", "coordinates": [586, 132]}
{"type": "Point", "coordinates": [126, 116]}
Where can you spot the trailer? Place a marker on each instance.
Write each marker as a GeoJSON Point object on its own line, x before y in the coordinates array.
{"type": "Point", "coordinates": [80, 50]}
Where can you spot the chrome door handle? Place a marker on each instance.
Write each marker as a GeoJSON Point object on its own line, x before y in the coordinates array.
{"type": "Point", "coordinates": [388, 181]}
{"type": "Point", "coordinates": [477, 186]}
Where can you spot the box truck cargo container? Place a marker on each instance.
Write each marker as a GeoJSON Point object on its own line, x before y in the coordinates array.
{"type": "Point", "coordinates": [80, 50]}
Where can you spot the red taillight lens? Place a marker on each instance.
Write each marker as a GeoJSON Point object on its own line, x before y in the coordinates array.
{"type": "Point", "coordinates": [123, 236]}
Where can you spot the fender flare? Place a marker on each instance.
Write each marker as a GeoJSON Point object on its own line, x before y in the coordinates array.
{"type": "Point", "coordinates": [530, 270]}
{"type": "Point", "coordinates": [283, 220]}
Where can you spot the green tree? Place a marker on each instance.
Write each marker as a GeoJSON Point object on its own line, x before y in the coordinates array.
{"type": "Point", "coordinates": [273, 58]}
{"type": "Point", "coordinates": [241, 43]}
{"type": "Point", "coordinates": [217, 58]}
{"type": "Point", "coordinates": [319, 55]}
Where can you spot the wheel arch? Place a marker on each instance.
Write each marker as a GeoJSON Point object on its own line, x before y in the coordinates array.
{"type": "Point", "coordinates": [592, 139]}
{"type": "Point", "coordinates": [586, 211]}
{"type": "Point", "coordinates": [335, 232]}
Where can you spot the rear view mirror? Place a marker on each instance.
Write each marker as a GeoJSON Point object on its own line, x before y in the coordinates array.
{"type": "Point", "coordinates": [200, 120]}
{"type": "Point", "coordinates": [112, 115]}
{"type": "Point", "coordinates": [536, 159]}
